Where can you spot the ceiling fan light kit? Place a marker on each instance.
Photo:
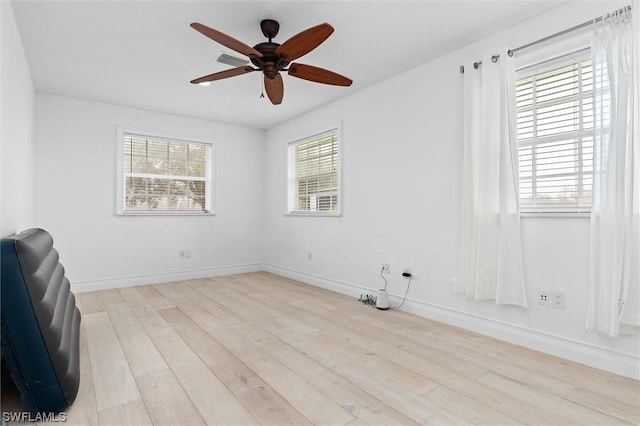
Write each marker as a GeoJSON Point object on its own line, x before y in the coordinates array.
{"type": "Point", "coordinates": [272, 58]}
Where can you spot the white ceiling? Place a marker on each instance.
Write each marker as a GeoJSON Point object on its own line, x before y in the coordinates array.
{"type": "Point", "coordinates": [143, 53]}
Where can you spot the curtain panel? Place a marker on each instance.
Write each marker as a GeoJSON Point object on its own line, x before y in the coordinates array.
{"type": "Point", "coordinates": [614, 273]}
{"type": "Point", "coordinates": [491, 266]}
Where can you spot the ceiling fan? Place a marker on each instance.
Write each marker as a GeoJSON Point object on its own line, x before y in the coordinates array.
{"type": "Point", "coordinates": [271, 58]}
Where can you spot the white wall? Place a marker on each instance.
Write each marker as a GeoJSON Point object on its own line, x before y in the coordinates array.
{"type": "Point", "coordinates": [76, 192]}
{"type": "Point", "coordinates": [16, 138]}
{"type": "Point", "coordinates": [402, 150]}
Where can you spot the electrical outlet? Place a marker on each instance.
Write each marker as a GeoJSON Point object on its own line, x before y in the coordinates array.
{"type": "Point", "coordinates": [386, 268]}
{"type": "Point", "coordinates": [184, 254]}
{"type": "Point", "coordinates": [544, 298]}
{"type": "Point", "coordinates": [310, 257]}
{"type": "Point", "coordinates": [406, 270]}
{"type": "Point", "coordinates": [558, 300]}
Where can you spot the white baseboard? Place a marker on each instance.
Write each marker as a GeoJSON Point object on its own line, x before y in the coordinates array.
{"type": "Point", "coordinates": [615, 362]}
{"type": "Point", "coordinates": [594, 356]}
{"type": "Point", "coordinates": [163, 277]}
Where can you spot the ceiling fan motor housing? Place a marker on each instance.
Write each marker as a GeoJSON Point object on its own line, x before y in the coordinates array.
{"type": "Point", "coordinates": [270, 63]}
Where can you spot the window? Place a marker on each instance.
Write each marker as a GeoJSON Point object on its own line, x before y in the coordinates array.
{"type": "Point", "coordinates": [555, 135]}
{"type": "Point", "coordinates": [313, 174]}
{"type": "Point", "coordinates": [163, 176]}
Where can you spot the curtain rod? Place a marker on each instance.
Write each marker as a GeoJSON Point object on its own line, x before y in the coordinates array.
{"type": "Point", "coordinates": [569, 30]}
{"type": "Point", "coordinates": [511, 52]}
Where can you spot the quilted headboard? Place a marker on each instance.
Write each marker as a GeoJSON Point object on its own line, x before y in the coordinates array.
{"type": "Point", "coordinates": [40, 322]}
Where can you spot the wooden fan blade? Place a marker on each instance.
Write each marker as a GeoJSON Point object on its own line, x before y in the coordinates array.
{"type": "Point", "coordinates": [275, 89]}
{"type": "Point", "coordinates": [318, 75]}
{"type": "Point", "coordinates": [223, 74]}
{"type": "Point", "coordinates": [304, 42]}
{"type": "Point", "coordinates": [226, 40]}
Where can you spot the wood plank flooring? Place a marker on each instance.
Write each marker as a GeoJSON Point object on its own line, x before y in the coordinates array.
{"type": "Point", "coordinates": [262, 349]}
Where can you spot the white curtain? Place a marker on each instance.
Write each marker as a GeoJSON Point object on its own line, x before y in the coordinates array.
{"type": "Point", "coordinates": [614, 279]}
{"type": "Point", "coordinates": [490, 245]}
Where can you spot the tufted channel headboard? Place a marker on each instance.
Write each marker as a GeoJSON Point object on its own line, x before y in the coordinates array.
{"type": "Point", "coordinates": [40, 322]}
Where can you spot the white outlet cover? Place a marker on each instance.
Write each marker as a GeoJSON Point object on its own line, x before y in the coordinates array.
{"type": "Point", "coordinates": [558, 300]}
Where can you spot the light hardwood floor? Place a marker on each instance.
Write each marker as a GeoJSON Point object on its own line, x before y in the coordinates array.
{"type": "Point", "coordinates": [261, 349]}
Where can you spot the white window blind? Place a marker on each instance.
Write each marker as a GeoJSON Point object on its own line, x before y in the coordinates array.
{"type": "Point", "coordinates": [313, 174]}
{"type": "Point", "coordinates": [164, 175]}
{"type": "Point", "coordinates": [555, 136]}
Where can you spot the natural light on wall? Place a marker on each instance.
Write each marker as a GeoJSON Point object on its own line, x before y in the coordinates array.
{"type": "Point", "coordinates": [164, 176]}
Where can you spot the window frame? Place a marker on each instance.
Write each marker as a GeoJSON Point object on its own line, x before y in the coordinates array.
{"type": "Point", "coordinates": [546, 59]}
{"type": "Point", "coordinates": [307, 137]}
{"type": "Point", "coordinates": [121, 131]}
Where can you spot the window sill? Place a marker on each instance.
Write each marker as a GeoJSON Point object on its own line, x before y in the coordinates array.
{"type": "Point", "coordinates": [556, 215]}
{"type": "Point", "coordinates": [165, 214]}
{"type": "Point", "coordinates": [312, 214]}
